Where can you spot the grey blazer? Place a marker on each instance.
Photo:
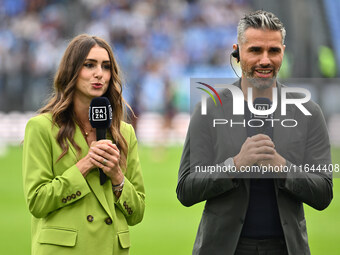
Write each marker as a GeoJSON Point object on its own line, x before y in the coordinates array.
{"type": "Point", "coordinates": [227, 198]}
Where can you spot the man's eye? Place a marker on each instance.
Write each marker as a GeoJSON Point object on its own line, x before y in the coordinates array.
{"type": "Point", "coordinates": [254, 50]}
{"type": "Point", "coordinates": [276, 50]}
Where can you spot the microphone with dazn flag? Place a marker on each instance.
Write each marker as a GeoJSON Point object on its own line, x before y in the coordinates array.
{"type": "Point", "coordinates": [260, 124]}
{"type": "Point", "coordinates": [100, 116]}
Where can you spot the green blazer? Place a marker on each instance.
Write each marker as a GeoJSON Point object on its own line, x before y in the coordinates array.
{"type": "Point", "coordinates": [72, 214]}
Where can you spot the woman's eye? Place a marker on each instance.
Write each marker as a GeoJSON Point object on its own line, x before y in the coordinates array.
{"type": "Point", "coordinates": [88, 65]}
{"type": "Point", "coordinates": [107, 67]}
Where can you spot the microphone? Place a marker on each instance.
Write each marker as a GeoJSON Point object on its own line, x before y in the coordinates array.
{"type": "Point", "coordinates": [100, 116]}
{"type": "Point", "coordinates": [259, 124]}
{"type": "Point", "coordinates": [231, 64]}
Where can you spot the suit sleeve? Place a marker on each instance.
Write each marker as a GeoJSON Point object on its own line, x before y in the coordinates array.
{"type": "Point", "coordinates": [195, 186]}
{"type": "Point", "coordinates": [313, 187]}
{"type": "Point", "coordinates": [132, 200]}
{"type": "Point", "coordinates": [45, 192]}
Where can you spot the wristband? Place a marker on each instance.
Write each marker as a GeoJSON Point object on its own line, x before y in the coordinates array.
{"type": "Point", "coordinates": [122, 183]}
{"type": "Point", "coordinates": [119, 187]}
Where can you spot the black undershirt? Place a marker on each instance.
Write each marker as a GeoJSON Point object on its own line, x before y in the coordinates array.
{"type": "Point", "coordinates": [262, 219]}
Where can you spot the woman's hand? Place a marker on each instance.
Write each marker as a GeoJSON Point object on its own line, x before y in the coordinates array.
{"type": "Point", "coordinates": [105, 155]}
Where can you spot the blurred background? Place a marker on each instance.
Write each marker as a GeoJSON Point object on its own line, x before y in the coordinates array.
{"type": "Point", "coordinates": [159, 46]}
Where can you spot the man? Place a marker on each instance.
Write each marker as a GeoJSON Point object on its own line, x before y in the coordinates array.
{"type": "Point", "coordinates": [247, 215]}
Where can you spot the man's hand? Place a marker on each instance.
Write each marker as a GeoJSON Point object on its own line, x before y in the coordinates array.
{"type": "Point", "coordinates": [256, 149]}
{"type": "Point", "coordinates": [278, 160]}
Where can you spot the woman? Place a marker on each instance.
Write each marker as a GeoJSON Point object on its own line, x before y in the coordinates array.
{"type": "Point", "coordinates": [72, 212]}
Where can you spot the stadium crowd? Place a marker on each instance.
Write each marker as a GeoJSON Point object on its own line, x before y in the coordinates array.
{"type": "Point", "coordinates": [159, 46]}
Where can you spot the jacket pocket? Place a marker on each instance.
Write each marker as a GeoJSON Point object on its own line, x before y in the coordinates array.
{"type": "Point", "coordinates": [124, 239]}
{"type": "Point", "coordinates": [58, 236]}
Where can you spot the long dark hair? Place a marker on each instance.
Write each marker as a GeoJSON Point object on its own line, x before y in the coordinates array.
{"type": "Point", "coordinates": [60, 103]}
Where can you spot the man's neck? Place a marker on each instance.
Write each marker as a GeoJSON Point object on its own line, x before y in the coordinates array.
{"type": "Point", "coordinates": [267, 93]}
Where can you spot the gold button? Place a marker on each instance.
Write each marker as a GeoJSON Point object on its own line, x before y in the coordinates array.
{"type": "Point", "coordinates": [108, 221]}
{"type": "Point", "coordinates": [78, 193]}
{"type": "Point", "coordinates": [89, 218]}
{"type": "Point", "coordinates": [68, 198]}
{"type": "Point", "coordinates": [64, 200]}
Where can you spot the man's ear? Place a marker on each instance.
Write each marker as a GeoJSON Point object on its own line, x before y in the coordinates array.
{"type": "Point", "coordinates": [236, 52]}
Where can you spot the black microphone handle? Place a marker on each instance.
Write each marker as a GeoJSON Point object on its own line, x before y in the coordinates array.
{"type": "Point", "coordinates": [267, 128]}
{"type": "Point", "coordinates": [101, 135]}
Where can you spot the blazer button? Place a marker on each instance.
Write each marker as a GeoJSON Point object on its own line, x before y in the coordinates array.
{"type": "Point", "coordinates": [124, 203]}
{"type": "Point", "coordinates": [130, 212]}
{"type": "Point", "coordinates": [73, 196]}
{"type": "Point", "coordinates": [126, 207]}
{"type": "Point", "coordinates": [108, 221]}
{"type": "Point", "coordinates": [89, 218]}
{"type": "Point", "coordinates": [68, 198]}
{"type": "Point", "coordinates": [78, 193]}
{"type": "Point", "coordinates": [64, 200]}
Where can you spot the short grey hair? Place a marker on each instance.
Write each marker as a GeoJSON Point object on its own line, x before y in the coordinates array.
{"type": "Point", "coordinates": [260, 20]}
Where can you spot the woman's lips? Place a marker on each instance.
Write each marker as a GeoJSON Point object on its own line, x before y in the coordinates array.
{"type": "Point", "coordinates": [97, 85]}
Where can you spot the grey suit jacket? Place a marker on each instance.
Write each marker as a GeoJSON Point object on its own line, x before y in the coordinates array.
{"type": "Point", "coordinates": [227, 197]}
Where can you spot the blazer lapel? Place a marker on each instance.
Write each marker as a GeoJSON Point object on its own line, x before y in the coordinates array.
{"type": "Point", "coordinates": [92, 177]}
{"type": "Point", "coordinates": [99, 190]}
{"type": "Point", "coordinates": [238, 133]}
{"type": "Point", "coordinates": [281, 136]}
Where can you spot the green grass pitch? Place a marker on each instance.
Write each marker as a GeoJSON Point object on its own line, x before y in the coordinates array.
{"type": "Point", "coordinates": [168, 227]}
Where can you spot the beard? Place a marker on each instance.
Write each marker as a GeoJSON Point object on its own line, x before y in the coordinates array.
{"type": "Point", "coordinates": [259, 83]}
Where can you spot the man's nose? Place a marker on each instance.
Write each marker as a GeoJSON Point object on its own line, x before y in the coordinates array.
{"type": "Point", "coordinates": [264, 61]}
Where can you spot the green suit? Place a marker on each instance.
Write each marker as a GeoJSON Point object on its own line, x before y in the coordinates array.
{"type": "Point", "coordinates": [73, 214]}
